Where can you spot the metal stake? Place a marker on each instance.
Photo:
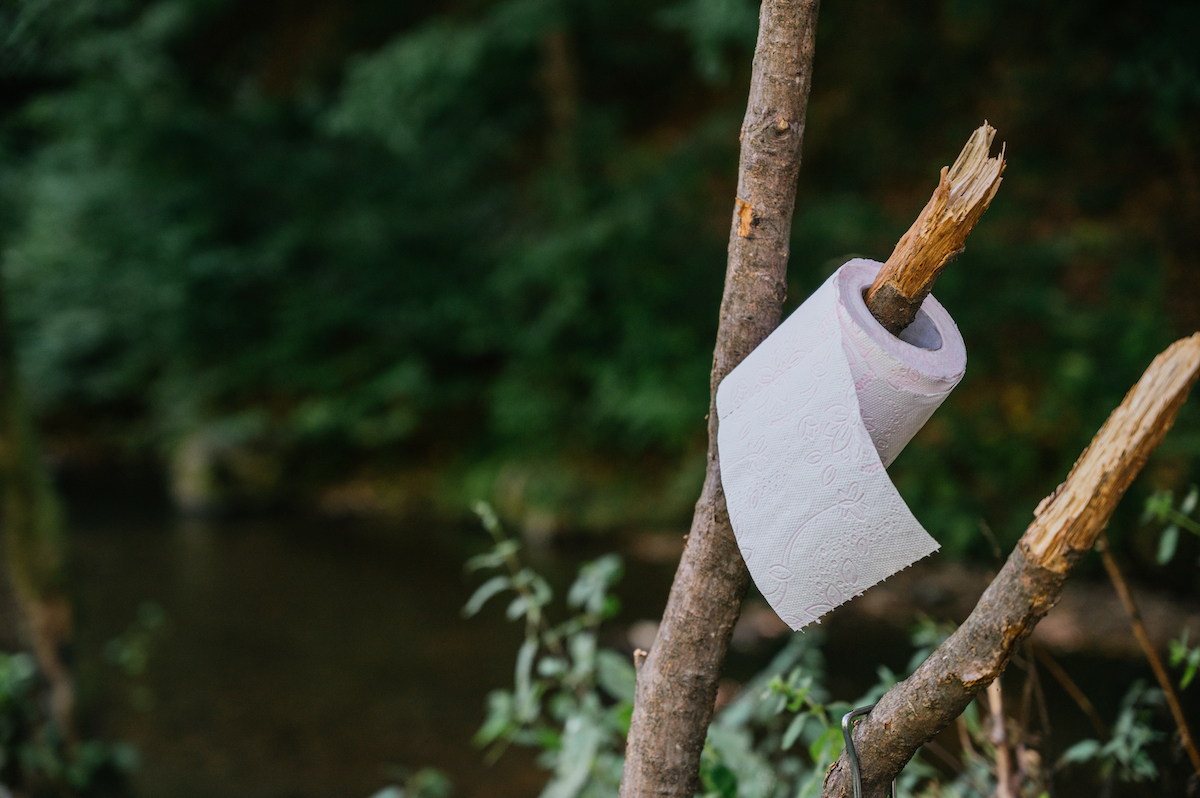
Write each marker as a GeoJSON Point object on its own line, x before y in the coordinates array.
{"type": "Point", "coordinates": [852, 756]}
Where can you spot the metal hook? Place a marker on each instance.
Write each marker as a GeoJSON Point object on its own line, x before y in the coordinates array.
{"type": "Point", "coordinates": [851, 755]}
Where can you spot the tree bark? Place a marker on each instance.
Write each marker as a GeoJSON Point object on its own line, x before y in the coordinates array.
{"type": "Point", "coordinates": [677, 681]}
{"type": "Point", "coordinates": [1065, 526]}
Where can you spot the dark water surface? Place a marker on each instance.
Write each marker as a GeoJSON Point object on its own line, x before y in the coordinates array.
{"type": "Point", "coordinates": [300, 659]}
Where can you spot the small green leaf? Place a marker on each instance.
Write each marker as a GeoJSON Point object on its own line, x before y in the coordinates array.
{"type": "Point", "coordinates": [552, 667]}
{"type": "Point", "coordinates": [1189, 673]}
{"type": "Point", "coordinates": [517, 608]}
{"type": "Point", "coordinates": [591, 587]}
{"type": "Point", "coordinates": [525, 697]}
{"type": "Point", "coordinates": [429, 783]}
{"type": "Point", "coordinates": [1189, 501]}
{"type": "Point", "coordinates": [1179, 648]}
{"type": "Point", "coordinates": [582, 647]}
{"type": "Point", "coordinates": [622, 716]}
{"type": "Point", "coordinates": [827, 746]}
{"type": "Point", "coordinates": [1082, 751]}
{"type": "Point", "coordinates": [542, 594]}
{"type": "Point", "coordinates": [484, 592]}
{"type": "Point", "coordinates": [487, 516]}
{"type": "Point", "coordinates": [1167, 544]}
{"type": "Point", "coordinates": [723, 781]}
{"type": "Point", "coordinates": [1158, 506]}
{"type": "Point", "coordinates": [794, 729]}
{"type": "Point", "coordinates": [615, 675]}
{"type": "Point", "coordinates": [499, 718]}
{"type": "Point", "coordinates": [549, 739]}
{"type": "Point", "coordinates": [580, 741]}
{"type": "Point", "coordinates": [494, 558]}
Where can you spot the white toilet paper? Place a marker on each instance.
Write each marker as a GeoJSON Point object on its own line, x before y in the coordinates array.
{"type": "Point", "coordinates": [808, 423]}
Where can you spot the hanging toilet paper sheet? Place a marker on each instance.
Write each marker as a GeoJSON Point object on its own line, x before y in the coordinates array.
{"type": "Point", "coordinates": [808, 423]}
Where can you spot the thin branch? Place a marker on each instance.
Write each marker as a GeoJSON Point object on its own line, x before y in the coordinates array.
{"type": "Point", "coordinates": [939, 234]}
{"type": "Point", "coordinates": [948, 759]}
{"type": "Point", "coordinates": [1067, 683]}
{"type": "Point", "coordinates": [1034, 693]}
{"type": "Point", "coordinates": [998, 734]}
{"type": "Point", "coordinates": [1143, 638]}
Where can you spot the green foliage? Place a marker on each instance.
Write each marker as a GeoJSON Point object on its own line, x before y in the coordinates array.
{"type": "Point", "coordinates": [33, 754]}
{"type": "Point", "coordinates": [424, 783]}
{"type": "Point", "coordinates": [131, 652]}
{"type": "Point", "coordinates": [403, 239]}
{"type": "Point", "coordinates": [569, 699]}
{"type": "Point", "coordinates": [1131, 735]}
{"type": "Point", "coordinates": [1181, 654]}
{"type": "Point", "coordinates": [926, 636]}
{"type": "Point", "coordinates": [573, 700]}
{"type": "Point", "coordinates": [1160, 508]}
{"type": "Point", "coordinates": [713, 27]}
{"type": "Point", "coordinates": [776, 739]}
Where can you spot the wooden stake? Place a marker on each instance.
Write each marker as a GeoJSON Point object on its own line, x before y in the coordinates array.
{"type": "Point", "coordinates": [937, 236]}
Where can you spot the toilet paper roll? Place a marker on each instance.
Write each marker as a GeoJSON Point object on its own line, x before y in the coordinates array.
{"type": "Point", "coordinates": [808, 423]}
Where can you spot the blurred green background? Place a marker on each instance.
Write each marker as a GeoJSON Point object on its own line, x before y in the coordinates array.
{"type": "Point", "coordinates": [390, 257]}
{"type": "Point", "coordinates": [281, 260]}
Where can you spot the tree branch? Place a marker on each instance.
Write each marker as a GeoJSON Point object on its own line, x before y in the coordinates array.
{"type": "Point", "coordinates": [677, 681]}
{"type": "Point", "coordinates": [1065, 526]}
{"type": "Point", "coordinates": [939, 234]}
{"type": "Point", "coordinates": [1068, 684]}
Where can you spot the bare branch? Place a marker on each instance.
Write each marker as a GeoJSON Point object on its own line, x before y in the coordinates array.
{"type": "Point", "coordinates": [939, 233]}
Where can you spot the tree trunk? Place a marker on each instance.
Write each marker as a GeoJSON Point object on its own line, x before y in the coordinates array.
{"type": "Point", "coordinates": [677, 681]}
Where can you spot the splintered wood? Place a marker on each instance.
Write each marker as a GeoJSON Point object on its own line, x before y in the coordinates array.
{"type": "Point", "coordinates": [964, 192]}
{"type": "Point", "coordinates": [1067, 521]}
{"type": "Point", "coordinates": [745, 215]}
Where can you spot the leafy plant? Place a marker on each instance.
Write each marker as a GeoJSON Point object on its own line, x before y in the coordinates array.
{"type": "Point", "coordinates": [570, 699]}
{"type": "Point", "coordinates": [573, 700]}
{"type": "Point", "coordinates": [1160, 507]}
{"type": "Point", "coordinates": [130, 651]}
{"type": "Point", "coordinates": [1181, 654]}
{"type": "Point", "coordinates": [1132, 734]}
{"type": "Point", "coordinates": [33, 752]}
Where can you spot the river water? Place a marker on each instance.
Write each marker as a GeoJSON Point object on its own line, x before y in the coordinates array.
{"type": "Point", "coordinates": [300, 658]}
